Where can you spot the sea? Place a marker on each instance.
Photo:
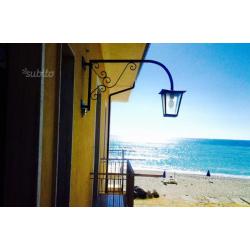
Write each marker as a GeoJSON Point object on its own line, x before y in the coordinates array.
{"type": "Point", "coordinates": [196, 156]}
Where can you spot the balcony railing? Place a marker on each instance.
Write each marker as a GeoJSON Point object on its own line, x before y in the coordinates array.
{"type": "Point", "coordinates": [114, 184]}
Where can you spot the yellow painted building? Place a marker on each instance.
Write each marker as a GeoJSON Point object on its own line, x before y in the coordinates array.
{"type": "Point", "coordinates": [51, 147]}
{"type": "Point", "coordinates": [83, 127]}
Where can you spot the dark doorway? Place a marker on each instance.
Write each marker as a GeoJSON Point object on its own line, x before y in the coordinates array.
{"type": "Point", "coordinates": [20, 123]}
{"type": "Point", "coordinates": [3, 108]}
{"type": "Point", "coordinates": [65, 127]}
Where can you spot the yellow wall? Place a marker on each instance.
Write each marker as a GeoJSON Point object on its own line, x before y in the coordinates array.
{"type": "Point", "coordinates": [83, 134]}
{"type": "Point", "coordinates": [83, 131]}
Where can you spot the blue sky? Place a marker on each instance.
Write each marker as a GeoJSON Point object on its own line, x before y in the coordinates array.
{"type": "Point", "coordinates": [216, 104]}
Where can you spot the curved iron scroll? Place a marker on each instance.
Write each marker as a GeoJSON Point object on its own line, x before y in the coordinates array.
{"type": "Point", "coordinates": [106, 80]}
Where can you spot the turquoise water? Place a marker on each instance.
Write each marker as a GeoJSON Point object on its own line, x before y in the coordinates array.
{"type": "Point", "coordinates": [223, 157]}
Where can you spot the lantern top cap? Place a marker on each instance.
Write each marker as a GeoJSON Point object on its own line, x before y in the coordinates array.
{"type": "Point", "coordinates": [164, 91]}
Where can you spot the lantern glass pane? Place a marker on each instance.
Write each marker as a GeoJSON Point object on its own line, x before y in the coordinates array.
{"type": "Point", "coordinates": [163, 97]}
{"type": "Point", "coordinates": [172, 103]}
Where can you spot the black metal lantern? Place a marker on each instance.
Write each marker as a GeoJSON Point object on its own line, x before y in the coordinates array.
{"type": "Point", "coordinates": [171, 101]}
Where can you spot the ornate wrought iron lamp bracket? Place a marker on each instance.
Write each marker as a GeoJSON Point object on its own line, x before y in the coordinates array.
{"type": "Point", "coordinates": [106, 81]}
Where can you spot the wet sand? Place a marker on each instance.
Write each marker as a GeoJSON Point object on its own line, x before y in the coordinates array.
{"type": "Point", "coordinates": [195, 190]}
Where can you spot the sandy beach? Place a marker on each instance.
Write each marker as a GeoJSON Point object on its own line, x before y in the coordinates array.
{"type": "Point", "coordinates": [194, 190]}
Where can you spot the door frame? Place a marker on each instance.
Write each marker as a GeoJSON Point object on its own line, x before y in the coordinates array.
{"type": "Point", "coordinates": [65, 126]}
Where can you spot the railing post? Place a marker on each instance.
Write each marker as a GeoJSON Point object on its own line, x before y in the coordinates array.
{"type": "Point", "coordinates": [123, 155]}
{"type": "Point", "coordinates": [130, 185]}
{"type": "Point", "coordinates": [106, 179]}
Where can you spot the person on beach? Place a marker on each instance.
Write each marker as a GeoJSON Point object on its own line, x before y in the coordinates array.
{"type": "Point", "coordinates": [208, 173]}
{"type": "Point", "coordinates": [164, 178]}
{"type": "Point", "coordinates": [164, 174]}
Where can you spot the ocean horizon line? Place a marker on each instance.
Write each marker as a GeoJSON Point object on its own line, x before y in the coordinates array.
{"type": "Point", "coordinates": [118, 138]}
